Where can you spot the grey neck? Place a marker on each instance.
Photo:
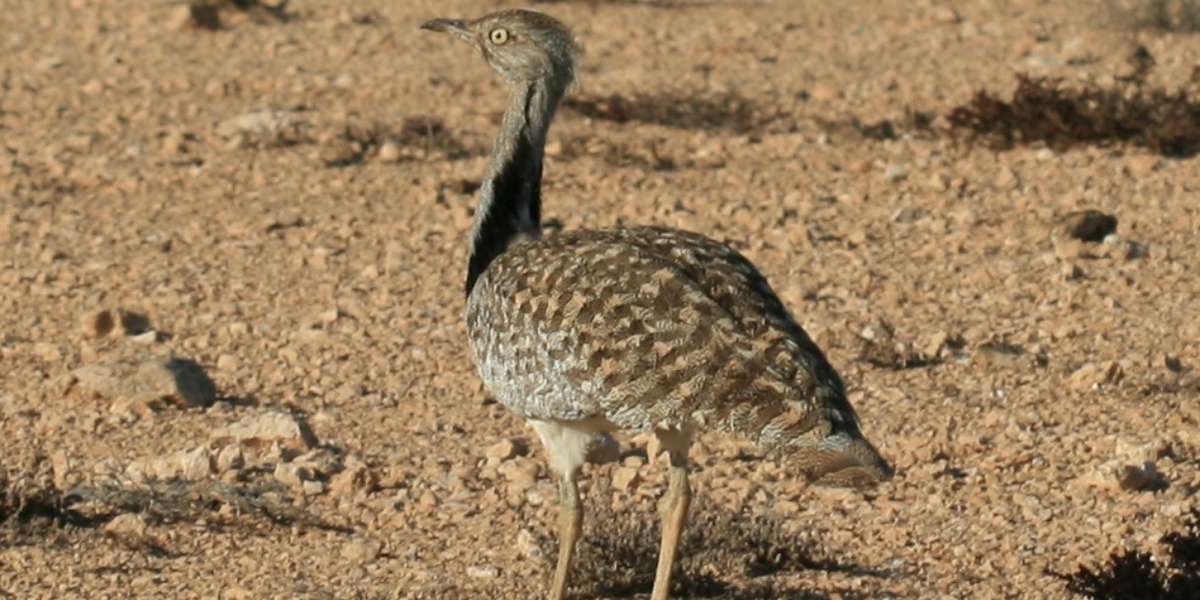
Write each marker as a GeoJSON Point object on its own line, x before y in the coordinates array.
{"type": "Point", "coordinates": [510, 197]}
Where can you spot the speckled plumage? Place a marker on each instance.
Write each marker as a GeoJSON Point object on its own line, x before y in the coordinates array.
{"type": "Point", "coordinates": [655, 328]}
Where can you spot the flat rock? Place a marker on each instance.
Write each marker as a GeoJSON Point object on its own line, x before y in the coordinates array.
{"type": "Point", "coordinates": [361, 551]}
{"type": "Point", "coordinates": [146, 381]}
{"type": "Point", "coordinates": [268, 428]}
{"type": "Point", "coordinates": [128, 525]}
{"type": "Point", "coordinates": [194, 464]}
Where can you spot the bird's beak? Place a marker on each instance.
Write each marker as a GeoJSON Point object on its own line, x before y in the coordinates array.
{"type": "Point", "coordinates": [458, 27]}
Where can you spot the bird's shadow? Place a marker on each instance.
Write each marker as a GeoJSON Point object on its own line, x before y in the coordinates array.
{"type": "Point", "coordinates": [724, 554]}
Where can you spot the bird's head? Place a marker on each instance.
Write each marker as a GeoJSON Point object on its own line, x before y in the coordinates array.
{"type": "Point", "coordinates": [523, 46]}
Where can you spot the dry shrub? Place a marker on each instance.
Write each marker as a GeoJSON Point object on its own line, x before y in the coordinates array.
{"type": "Point", "coordinates": [677, 109]}
{"type": "Point", "coordinates": [416, 137]}
{"type": "Point", "coordinates": [1178, 16]}
{"type": "Point", "coordinates": [32, 506]}
{"type": "Point", "coordinates": [206, 14]}
{"type": "Point", "coordinates": [1044, 110]}
{"type": "Point", "coordinates": [1133, 574]}
{"type": "Point", "coordinates": [913, 122]}
{"type": "Point", "coordinates": [27, 490]}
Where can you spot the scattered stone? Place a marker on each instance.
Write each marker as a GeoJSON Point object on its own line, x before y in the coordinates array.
{"type": "Point", "coordinates": [137, 472]}
{"type": "Point", "coordinates": [227, 362]}
{"type": "Point", "coordinates": [427, 501]}
{"type": "Point", "coordinates": [230, 458]}
{"type": "Point", "coordinates": [268, 127]}
{"type": "Point", "coordinates": [146, 339]}
{"type": "Point", "coordinates": [127, 525]}
{"type": "Point", "coordinates": [482, 572]}
{"type": "Point", "coordinates": [236, 593]}
{"type": "Point", "coordinates": [1089, 225]}
{"type": "Point", "coordinates": [1093, 375]}
{"type": "Point", "coordinates": [98, 324]}
{"type": "Point", "coordinates": [895, 172]}
{"type": "Point", "coordinates": [500, 451]}
{"type": "Point", "coordinates": [527, 545]}
{"type": "Point", "coordinates": [312, 488]}
{"type": "Point", "coordinates": [180, 18]}
{"type": "Point", "coordinates": [321, 461]}
{"type": "Point", "coordinates": [945, 14]}
{"type": "Point", "coordinates": [625, 479]}
{"type": "Point", "coordinates": [194, 464]}
{"type": "Point", "coordinates": [521, 473]}
{"type": "Point", "coordinates": [999, 355]}
{"type": "Point", "coordinates": [47, 351]}
{"type": "Point", "coordinates": [292, 474]}
{"type": "Point", "coordinates": [389, 152]}
{"type": "Point", "coordinates": [931, 344]}
{"type": "Point", "coordinates": [268, 428]}
{"type": "Point", "coordinates": [145, 382]}
{"type": "Point", "coordinates": [1129, 478]}
{"type": "Point", "coordinates": [361, 551]}
{"type": "Point", "coordinates": [354, 478]}
{"type": "Point", "coordinates": [62, 469]}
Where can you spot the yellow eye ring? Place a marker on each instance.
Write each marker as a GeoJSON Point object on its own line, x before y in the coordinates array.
{"type": "Point", "coordinates": [498, 36]}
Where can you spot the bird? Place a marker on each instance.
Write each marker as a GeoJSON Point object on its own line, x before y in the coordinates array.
{"type": "Point", "coordinates": [641, 329]}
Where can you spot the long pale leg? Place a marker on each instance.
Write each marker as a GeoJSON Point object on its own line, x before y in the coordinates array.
{"type": "Point", "coordinates": [570, 524]}
{"type": "Point", "coordinates": [674, 509]}
{"type": "Point", "coordinates": [567, 444]}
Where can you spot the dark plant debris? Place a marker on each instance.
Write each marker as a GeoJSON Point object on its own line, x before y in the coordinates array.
{"type": "Point", "coordinates": [417, 137]}
{"type": "Point", "coordinates": [1176, 16]}
{"type": "Point", "coordinates": [879, 347]}
{"type": "Point", "coordinates": [1044, 110]}
{"type": "Point", "coordinates": [206, 14]}
{"type": "Point", "coordinates": [31, 503]}
{"type": "Point", "coordinates": [651, 3]}
{"type": "Point", "coordinates": [723, 555]}
{"type": "Point", "coordinates": [677, 109]}
{"type": "Point", "coordinates": [648, 156]}
{"type": "Point", "coordinates": [913, 122]}
{"type": "Point", "coordinates": [1132, 574]}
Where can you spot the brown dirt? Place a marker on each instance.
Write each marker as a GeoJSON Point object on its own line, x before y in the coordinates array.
{"type": "Point", "coordinates": [1038, 393]}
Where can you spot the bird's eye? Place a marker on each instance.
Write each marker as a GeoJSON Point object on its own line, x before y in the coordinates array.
{"type": "Point", "coordinates": [498, 36]}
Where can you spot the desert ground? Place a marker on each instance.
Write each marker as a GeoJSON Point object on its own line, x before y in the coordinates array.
{"type": "Point", "coordinates": [233, 360]}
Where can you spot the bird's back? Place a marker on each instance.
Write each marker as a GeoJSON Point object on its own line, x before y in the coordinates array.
{"type": "Point", "coordinates": [655, 328]}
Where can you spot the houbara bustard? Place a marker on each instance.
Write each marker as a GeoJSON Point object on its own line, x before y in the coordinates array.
{"type": "Point", "coordinates": [640, 329]}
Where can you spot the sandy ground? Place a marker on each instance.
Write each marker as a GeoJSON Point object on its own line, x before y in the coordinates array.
{"type": "Point", "coordinates": [310, 260]}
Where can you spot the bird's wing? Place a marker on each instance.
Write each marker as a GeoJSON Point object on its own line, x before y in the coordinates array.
{"type": "Point", "coordinates": [648, 327]}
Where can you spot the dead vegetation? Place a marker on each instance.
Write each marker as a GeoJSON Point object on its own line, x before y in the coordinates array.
{"type": "Point", "coordinates": [27, 491]}
{"type": "Point", "coordinates": [1047, 111]}
{"type": "Point", "coordinates": [207, 14]}
{"type": "Point", "coordinates": [416, 138]}
{"type": "Point", "coordinates": [728, 555]}
{"type": "Point", "coordinates": [879, 346]}
{"type": "Point", "coordinates": [32, 505]}
{"type": "Point", "coordinates": [1177, 16]}
{"type": "Point", "coordinates": [912, 122]}
{"type": "Point", "coordinates": [646, 155]}
{"type": "Point", "coordinates": [1134, 574]}
{"type": "Point", "coordinates": [677, 109]}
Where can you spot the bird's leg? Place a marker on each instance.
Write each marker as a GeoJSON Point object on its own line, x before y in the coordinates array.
{"type": "Point", "coordinates": [570, 523]}
{"type": "Point", "coordinates": [674, 510]}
